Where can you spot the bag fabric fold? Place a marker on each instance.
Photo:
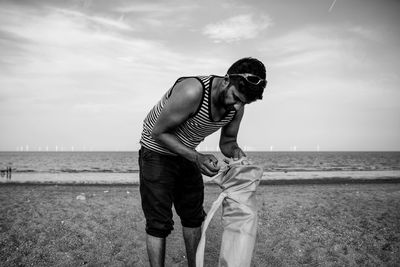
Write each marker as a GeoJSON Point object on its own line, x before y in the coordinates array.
{"type": "Point", "coordinates": [239, 214]}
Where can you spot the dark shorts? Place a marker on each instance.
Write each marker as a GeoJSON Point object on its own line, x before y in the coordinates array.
{"type": "Point", "coordinates": [166, 181]}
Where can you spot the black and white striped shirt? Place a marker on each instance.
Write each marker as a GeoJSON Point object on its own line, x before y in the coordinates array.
{"type": "Point", "coordinates": [193, 130]}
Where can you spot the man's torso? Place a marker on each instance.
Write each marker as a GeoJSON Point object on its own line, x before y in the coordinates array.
{"type": "Point", "coordinates": [194, 129]}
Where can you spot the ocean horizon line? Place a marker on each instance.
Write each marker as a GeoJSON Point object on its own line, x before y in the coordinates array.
{"type": "Point", "coordinates": [211, 151]}
{"type": "Point", "coordinates": [267, 178]}
{"type": "Point", "coordinates": [314, 181]}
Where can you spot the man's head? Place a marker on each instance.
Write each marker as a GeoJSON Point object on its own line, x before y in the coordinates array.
{"type": "Point", "coordinates": [248, 75]}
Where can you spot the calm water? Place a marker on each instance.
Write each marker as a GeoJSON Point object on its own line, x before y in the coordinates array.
{"type": "Point", "coordinates": [126, 162]}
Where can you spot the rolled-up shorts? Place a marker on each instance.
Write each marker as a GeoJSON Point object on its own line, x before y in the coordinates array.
{"type": "Point", "coordinates": [165, 181]}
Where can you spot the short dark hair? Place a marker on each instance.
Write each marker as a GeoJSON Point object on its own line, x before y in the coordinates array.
{"type": "Point", "coordinates": [253, 66]}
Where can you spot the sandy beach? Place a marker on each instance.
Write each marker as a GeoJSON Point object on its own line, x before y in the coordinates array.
{"type": "Point", "coordinates": [307, 225]}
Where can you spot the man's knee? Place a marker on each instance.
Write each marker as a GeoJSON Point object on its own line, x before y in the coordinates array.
{"type": "Point", "coordinates": [190, 209]}
{"type": "Point", "coordinates": [158, 233]}
{"type": "Point", "coordinates": [160, 230]}
{"type": "Point", "coordinates": [193, 221]}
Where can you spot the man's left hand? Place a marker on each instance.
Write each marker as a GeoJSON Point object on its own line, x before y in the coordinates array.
{"type": "Point", "coordinates": [238, 153]}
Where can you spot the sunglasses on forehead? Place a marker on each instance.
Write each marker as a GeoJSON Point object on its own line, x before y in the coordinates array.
{"type": "Point", "coordinates": [251, 78]}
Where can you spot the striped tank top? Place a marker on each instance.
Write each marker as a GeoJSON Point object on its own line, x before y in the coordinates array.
{"type": "Point", "coordinates": [191, 132]}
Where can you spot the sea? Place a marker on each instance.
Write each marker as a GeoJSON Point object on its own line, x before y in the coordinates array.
{"type": "Point", "coordinates": [123, 168]}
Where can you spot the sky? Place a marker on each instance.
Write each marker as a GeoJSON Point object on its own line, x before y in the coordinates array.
{"type": "Point", "coordinates": [82, 75]}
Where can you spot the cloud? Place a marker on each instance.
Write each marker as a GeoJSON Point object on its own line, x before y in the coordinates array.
{"type": "Point", "coordinates": [237, 28]}
{"type": "Point", "coordinates": [114, 23]}
{"type": "Point", "coordinates": [59, 54]}
{"type": "Point", "coordinates": [365, 33]}
{"type": "Point", "coordinates": [312, 47]}
{"type": "Point", "coordinates": [304, 39]}
{"type": "Point", "coordinates": [160, 8]}
{"type": "Point", "coordinates": [151, 16]}
{"type": "Point", "coordinates": [59, 26]}
{"type": "Point", "coordinates": [65, 41]}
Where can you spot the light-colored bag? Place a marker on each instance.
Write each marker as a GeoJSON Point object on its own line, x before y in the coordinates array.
{"type": "Point", "coordinates": [239, 214]}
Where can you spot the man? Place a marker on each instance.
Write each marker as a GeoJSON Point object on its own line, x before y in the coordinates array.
{"type": "Point", "coordinates": [171, 168]}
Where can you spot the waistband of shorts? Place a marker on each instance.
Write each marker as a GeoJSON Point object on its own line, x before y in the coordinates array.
{"type": "Point", "coordinates": [176, 158]}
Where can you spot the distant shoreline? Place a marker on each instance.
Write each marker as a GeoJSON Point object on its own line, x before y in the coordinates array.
{"type": "Point", "coordinates": [202, 151]}
{"type": "Point", "coordinates": [262, 183]}
{"type": "Point", "coordinates": [269, 178]}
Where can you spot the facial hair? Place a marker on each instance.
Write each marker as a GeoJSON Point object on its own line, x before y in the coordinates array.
{"type": "Point", "coordinates": [228, 107]}
{"type": "Point", "coordinates": [222, 100]}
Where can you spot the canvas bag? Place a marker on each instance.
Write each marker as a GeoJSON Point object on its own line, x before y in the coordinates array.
{"type": "Point", "coordinates": [239, 214]}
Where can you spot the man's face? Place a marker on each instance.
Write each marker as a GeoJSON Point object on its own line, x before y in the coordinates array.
{"type": "Point", "coordinates": [233, 99]}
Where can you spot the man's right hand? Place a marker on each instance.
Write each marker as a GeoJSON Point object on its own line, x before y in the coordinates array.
{"type": "Point", "coordinates": [207, 163]}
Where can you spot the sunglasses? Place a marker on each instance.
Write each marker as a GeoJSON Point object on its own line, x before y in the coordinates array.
{"type": "Point", "coordinates": [251, 78]}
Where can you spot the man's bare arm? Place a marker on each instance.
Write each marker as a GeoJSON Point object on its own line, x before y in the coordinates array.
{"type": "Point", "coordinates": [228, 140]}
{"type": "Point", "coordinates": [183, 102]}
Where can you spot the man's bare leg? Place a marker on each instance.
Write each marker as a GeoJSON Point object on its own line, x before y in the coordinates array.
{"type": "Point", "coordinates": [192, 238]}
{"type": "Point", "coordinates": [156, 250]}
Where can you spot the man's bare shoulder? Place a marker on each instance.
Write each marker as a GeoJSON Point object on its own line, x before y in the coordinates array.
{"type": "Point", "coordinates": [189, 89]}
